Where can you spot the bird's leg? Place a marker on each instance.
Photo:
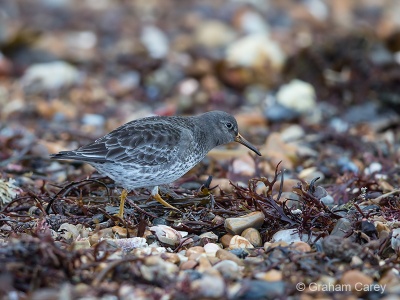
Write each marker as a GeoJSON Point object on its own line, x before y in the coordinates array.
{"type": "Point", "coordinates": [124, 194]}
{"type": "Point", "coordinates": [156, 196]}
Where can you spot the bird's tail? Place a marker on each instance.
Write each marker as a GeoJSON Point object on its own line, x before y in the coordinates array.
{"type": "Point", "coordinates": [64, 155]}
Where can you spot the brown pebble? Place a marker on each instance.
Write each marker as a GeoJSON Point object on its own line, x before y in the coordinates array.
{"type": "Point", "coordinates": [226, 239]}
{"type": "Point", "coordinates": [271, 275]}
{"type": "Point", "coordinates": [226, 255]}
{"type": "Point", "coordinates": [82, 244]}
{"type": "Point", "coordinates": [195, 249]}
{"type": "Point", "coordinates": [153, 260]}
{"type": "Point", "coordinates": [269, 245]}
{"type": "Point", "coordinates": [171, 257]}
{"type": "Point", "coordinates": [239, 242]}
{"type": "Point", "coordinates": [188, 265]}
{"type": "Point", "coordinates": [253, 236]}
{"type": "Point", "coordinates": [238, 225]}
{"type": "Point", "coordinates": [218, 220]}
{"type": "Point", "coordinates": [213, 260]}
{"type": "Point", "coordinates": [382, 229]}
{"type": "Point", "coordinates": [122, 232]}
{"type": "Point", "coordinates": [209, 237]}
{"type": "Point", "coordinates": [301, 246]}
{"type": "Point", "coordinates": [357, 281]}
{"type": "Point", "coordinates": [204, 263]}
{"type": "Point", "coordinates": [391, 280]}
{"type": "Point", "coordinates": [288, 185]}
{"type": "Point", "coordinates": [101, 234]}
{"type": "Point", "coordinates": [195, 256]}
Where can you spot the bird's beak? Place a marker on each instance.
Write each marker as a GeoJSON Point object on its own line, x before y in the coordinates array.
{"type": "Point", "coordinates": [246, 143]}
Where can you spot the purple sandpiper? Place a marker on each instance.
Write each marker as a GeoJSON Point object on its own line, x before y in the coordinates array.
{"type": "Point", "coordinates": [157, 150]}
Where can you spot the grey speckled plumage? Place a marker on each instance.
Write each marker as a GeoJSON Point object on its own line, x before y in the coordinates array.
{"type": "Point", "coordinates": [157, 150]}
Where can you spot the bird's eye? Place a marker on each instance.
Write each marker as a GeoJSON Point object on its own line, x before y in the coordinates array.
{"type": "Point", "coordinates": [229, 125]}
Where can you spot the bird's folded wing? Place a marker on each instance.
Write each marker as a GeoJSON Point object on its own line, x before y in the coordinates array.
{"type": "Point", "coordinates": [149, 145]}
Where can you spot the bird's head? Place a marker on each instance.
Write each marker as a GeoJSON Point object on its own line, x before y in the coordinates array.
{"type": "Point", "coordinates": [225, 130]}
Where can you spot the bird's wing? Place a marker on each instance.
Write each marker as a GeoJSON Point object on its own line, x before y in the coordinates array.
{"type": "Point", "coordinates": [145, 144]}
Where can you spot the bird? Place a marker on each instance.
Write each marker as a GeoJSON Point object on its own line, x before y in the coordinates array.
{"type": "Point", "coordinates": [157, 150]}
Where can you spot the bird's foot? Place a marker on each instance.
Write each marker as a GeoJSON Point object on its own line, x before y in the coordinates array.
{"type": "Point", "coordinates": [156, 196]}
{"type": "Point", "coordinates": [124, 195]}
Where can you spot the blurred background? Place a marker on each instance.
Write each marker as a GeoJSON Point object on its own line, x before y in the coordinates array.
{"type": "Point", "coordinates": [71, 71]}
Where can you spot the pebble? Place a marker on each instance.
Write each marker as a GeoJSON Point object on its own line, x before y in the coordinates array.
{"type": "Point", "coordinates": [155, 40]}
{"type": "Point", "coordinates": [292, 133]}
{"type": "Point", "coordinates": [240, 252]}
{"type": "Point", "coordinates": [356, 261]}
{"type": "Point", "coordinates": [268, 245]}
{"type": "Point", "coordinates": [278, 113]}
{"type": "Point", "coordinates": [244, 166]}
{"type": "Point", "coordinates": [255, 50]}
{"type": "Point", "coordinates": [356, 279]}
{"type": "Point", "coordinates": [218, 220]}
{"type": "Point", "coordinates": [188, 265]}
{"type": "Point", "coordinates": [369, 229]}
{"type": "Point", "coordinates": [209, 237]}
{"type": "Point", "coordinates": [260, 289]}
{"type": "Point", "coordinates": [319, 192]}
{"type": "Point", "coordinates": [301, 246]}
{"type": "Point", "coordinates": [272, 275]}
{"type": "Point", "coordinates": [211, 249]}
{"type": "Point", "coordinates": [239, 224]}
{"type": "Point", "coordinates": [99, 235]}
{"type": "Point", "coordinates": [208, 287]}
{"type": "Point", "coordinates": [254, 260]}
{"type": "Point", "coordinates": [171, 257]}
{"type": "Point", "coordinates": [226, 255]}
{"type": "Point", "coordinates": [226, 239]}
{"type": "Point", "coordinates": [382, 229]}
{"type": "Point", "coordinates": [122, 232]}
{"type": "Point", "coordinates": [128, 244]}
{"type": "Point", "coordinates": [373, 168]}
{"type": "Point", "coordinates": [327, 200]}
{"type": "Point", "coordinates": [194, 250]}
{"type": "Point", "coordinates": [391, 280]}
{"type": "Point", "coordinates": [213, 34]}
{"type": "Point", "coordinates": [346, 165]}
{"type": "Point", "coordinates": [278, 151]}
{"type": "Point", "coordinates": [341, 248]}
{"type": "Point", "coordinates": [297, 95]}
{"type": "Point", "coordinates": [239, 242]}
{"type": "Point", "coordinates": [288, 185]}
{"type": "Point", "coordinates": [166, 234]}
{"type": "Point", "coordinates": [341, 228]}
{"type": "Point", "coordinates": [204, 263]}
{"type": "Point", "coordinates": [71, 231]}
{"type": "Point", "coordinates": [213, 259]}
{"type": "Point", "coordinates": [229, 269]}
{"type": "Point", "coordinates": [194, 256]}
{"type": "Point", "coordinates": [290, 236]}
{"type": "Point", "coordinates": [311, 173]}
{"type": "Point", "coordinates": [158, 270]}
{"type": "Point", "coordinates": [81, 244]}
{"type": "Point", "coordinates": [292, 200]}
{"type": "Point", "coordinates": [93, 120]}
{"type": "Point", "coordinates": [50, 76]}
{"type": "Point", "coordinates": [395, 241]}
{"type": "Point", "coordinates": [253, 236]}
